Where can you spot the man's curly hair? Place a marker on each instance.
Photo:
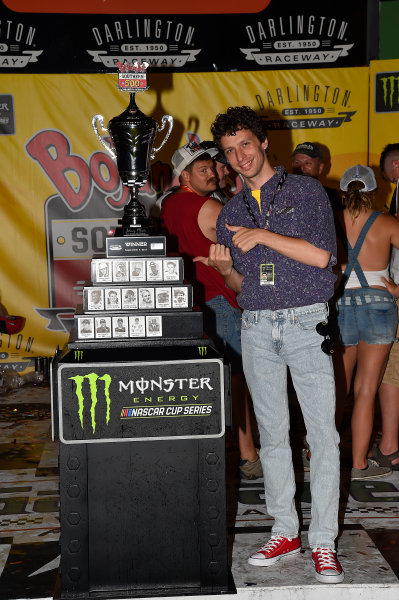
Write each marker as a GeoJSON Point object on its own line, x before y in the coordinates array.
{"type": "Point", "coordinates": [236, 118]}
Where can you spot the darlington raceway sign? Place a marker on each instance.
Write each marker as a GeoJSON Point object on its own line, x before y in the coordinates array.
{"type": "Point", "coordinates": [271, 34]}
{"type": "Point", "coordinates": [141, 401]}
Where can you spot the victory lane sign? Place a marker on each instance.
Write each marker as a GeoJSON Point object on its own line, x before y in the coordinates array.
{"type": "Point", "coordinates": [139, 401]}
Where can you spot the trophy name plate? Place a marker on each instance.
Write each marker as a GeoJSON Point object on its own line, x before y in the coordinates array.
{"type": "Point", "coordinates": [136, 246]}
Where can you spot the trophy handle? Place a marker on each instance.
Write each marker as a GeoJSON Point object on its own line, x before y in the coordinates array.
{"type": "Point", "coordinates": [165, 119]}
{"type": "Point", "coordinates": [100, 120]}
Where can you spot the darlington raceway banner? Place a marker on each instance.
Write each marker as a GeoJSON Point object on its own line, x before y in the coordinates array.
{"type": "Point", "coordinates": [384, 118]}
{"type": "Point", "coordinates": [61, 192]}
{"type": "Point", "coordinates": [70, 36]}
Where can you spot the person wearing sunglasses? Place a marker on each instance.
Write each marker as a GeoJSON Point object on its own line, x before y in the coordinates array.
{"type": "Point", "coordinates": [366, 310]}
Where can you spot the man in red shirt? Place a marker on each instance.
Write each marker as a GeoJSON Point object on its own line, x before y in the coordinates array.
{"type": "Point", "coordinates": [188, 218]}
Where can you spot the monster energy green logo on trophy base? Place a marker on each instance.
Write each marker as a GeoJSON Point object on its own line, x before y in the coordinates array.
{"type": "Point", "coordinates": [138, 401]}
{"type": "Point", "coordinates": [92, 378]}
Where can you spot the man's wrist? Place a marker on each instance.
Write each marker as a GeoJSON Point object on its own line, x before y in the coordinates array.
{"type": "Point", "coordinates": [227, 274]}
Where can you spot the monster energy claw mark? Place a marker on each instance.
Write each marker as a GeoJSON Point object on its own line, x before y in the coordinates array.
{"type": "Point", "coordinates": [92, 379]}
{"type": "Point", "coordinates": [388, 84]}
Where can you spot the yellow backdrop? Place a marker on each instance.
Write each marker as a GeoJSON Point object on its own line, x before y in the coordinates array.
{"type": "Point", "coordinates": [60, 189]}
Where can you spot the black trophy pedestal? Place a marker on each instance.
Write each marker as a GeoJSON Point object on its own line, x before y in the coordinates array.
{"type": "Point", "coordinates": [141, 407]}
{"type": "Point", "coordinates": [142, 469]}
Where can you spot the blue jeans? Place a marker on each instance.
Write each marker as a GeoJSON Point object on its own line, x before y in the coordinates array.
{"type": "Point", "coordinates": [271, 342]}
{"type": "Point", "coordinates": [222, 322]}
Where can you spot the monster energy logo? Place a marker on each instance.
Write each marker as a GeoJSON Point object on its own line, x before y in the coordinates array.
{"type": "Point", "coordinates": [202, 350]}
{"type": "Point", "coordinates": [387, 92]}
{"type": "Point", "coordinates": [92, 379]}
{"type": "Point", "coordinates": [388, 84]}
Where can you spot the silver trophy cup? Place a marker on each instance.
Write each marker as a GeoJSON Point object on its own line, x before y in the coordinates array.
{"type": "Point", "coordinates": [132, 134]}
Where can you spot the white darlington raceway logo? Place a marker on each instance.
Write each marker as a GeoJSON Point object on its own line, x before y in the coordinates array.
{"type": "Point", "coordinates": [17, 41]}
{"type": "Point", "coordinates": [159, 42]}
{"type": "Point", "coordinates": [296, 40]}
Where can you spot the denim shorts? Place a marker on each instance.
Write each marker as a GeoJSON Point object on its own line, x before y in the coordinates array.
{"type": "Point", "coordinates": [222, 323]}
{"type": "Point", "coordinates": [366, 314]}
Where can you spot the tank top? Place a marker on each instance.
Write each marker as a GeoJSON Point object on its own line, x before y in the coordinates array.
{"type": "Point", "coordinates": [372, 278]}
{"type": "Point", "coordinates": [179, 221]}
{"type": "Point", "coordinates": [354, 276]}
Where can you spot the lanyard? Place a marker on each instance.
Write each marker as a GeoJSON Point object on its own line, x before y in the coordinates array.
{"type": "Point", "coordinates": [184, 188]}
{"type": "Point", "coordinates": [271, 205]}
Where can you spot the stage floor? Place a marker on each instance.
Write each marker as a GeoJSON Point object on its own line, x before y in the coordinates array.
{"type": "Point", "coordinates": [29, 525]}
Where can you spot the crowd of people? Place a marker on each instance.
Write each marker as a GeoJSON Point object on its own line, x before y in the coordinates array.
{"type": "Point", "coordinates": [295, 276]}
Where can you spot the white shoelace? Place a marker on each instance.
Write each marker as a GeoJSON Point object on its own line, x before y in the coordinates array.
{"type": "Point", "coordinates": [273, 543]}
{"type": "Point", "coordinates": [326, 558]}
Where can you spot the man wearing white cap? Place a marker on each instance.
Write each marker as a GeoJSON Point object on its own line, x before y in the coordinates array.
{"type": "Point", "coordinates": [198, 176]}
{"type": "Point", "coordinates": [194, 167]}
{"type": "Point", "coordinates": [188, 218]}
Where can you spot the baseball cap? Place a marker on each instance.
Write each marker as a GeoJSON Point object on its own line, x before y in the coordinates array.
{"type": "Point", "coordinates": [310, 148]}
{"type": "Point", "coordinates": [219, 157]}
{"type": "Point", "coordinates": [358, 173]}
{"type": "Point", "coordinates": [187, 154]}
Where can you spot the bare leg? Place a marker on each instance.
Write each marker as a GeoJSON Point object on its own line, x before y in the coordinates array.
{"type": "Point", "coordinates": [371, 362]}
{"type": "Point", "coordinates": [344, 363]}
{"type": "Point", "coordinates": [389, 403]}
{"type": "Point", "coordinates": [242, 418]}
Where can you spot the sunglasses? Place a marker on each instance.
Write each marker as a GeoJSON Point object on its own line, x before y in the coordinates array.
{"type": "Point", "coordinates": [327, 344]}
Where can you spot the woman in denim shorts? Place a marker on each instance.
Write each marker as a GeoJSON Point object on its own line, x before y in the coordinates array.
{"type": "Point", "coordinates": [366, 312]}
